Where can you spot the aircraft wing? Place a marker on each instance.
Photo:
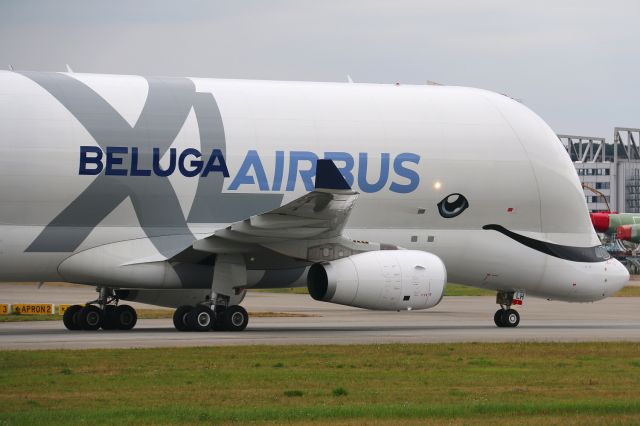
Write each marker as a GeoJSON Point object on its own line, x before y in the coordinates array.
{"type": "Point", "coordinates": [318, 215]}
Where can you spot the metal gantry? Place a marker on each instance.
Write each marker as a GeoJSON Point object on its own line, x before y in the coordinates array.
{"type": "Point", "coordinates": [626, 142]}
{"type": "Point", "coordinates": [585, 148]}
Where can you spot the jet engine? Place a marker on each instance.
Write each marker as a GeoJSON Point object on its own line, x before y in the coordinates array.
{"type": "Point", "coordinates": [384, 280]}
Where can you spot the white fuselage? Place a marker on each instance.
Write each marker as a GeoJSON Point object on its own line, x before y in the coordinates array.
{"type": "Point", "coordinates": [406, 148]}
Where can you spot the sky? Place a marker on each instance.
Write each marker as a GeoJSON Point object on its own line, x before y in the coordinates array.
{"type": "Point", "coordinates": [575, 63]}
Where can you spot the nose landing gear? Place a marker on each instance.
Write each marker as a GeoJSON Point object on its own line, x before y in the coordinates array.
{"type": "Point", "coordinates": [505, 316]}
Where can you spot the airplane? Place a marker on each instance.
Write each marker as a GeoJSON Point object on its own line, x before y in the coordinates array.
{"type": "Point", "coordinates": [628, 233]}
{"type": "Point", "coordinates": [625, 226]}
{"type": "Point", "coordinates": [186, 192]}
{"type": "Point", "coordinates": [609, 223]}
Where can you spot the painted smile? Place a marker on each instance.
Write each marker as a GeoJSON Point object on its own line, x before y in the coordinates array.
{"type": "Point", "coordinates": [574, 254]}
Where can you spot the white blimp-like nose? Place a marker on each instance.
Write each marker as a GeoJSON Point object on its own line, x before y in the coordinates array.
{"type": "Point", "coordinates": [583, 281]}
{"type": "Point", "coordinates": [616, 276]}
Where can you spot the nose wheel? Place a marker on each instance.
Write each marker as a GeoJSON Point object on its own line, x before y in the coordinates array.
{"type": "Point", "coordinates": [505, 316]}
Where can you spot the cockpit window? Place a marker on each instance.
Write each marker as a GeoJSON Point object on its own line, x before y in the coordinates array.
{"type": "Point", "coordinates": [602, 253]}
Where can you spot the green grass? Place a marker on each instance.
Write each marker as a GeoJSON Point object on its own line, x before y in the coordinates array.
{"type": "Point", "coordinates": [463, 290]}
{"type": "Point", "coordinates": [629, 291]}
{"type": "Point", "coordinates": [515, 383]}
{"type": "Point", "coordinates": [24, 317]}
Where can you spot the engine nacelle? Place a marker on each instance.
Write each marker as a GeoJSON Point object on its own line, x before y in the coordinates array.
{"type": "Point", "coordinates": [387, 280]}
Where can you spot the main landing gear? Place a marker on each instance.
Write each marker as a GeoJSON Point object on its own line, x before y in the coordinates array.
{"type": "Point", "coordinates": [505, 316]}
{"type": "Point", "coordinates": [103, 312]}
{"type": "Point", "coordinates": [203, 318]}
{"type": "Point", "coordinates": [216, 313]}
{"type": "Point", "coordinates": [220, 311]}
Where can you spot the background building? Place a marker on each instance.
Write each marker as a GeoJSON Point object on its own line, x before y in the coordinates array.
{"type": "Point", "coordinates": [610, 168]}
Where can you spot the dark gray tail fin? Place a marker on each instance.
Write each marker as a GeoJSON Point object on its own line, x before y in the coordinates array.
{"type": "Point", "coordinates": [329, 177]}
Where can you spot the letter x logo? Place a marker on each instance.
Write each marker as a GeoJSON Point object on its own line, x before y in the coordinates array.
{"type": "Point", "coordinates": [154, 200]}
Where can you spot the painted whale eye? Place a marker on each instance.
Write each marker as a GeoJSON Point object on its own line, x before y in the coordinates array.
{"type": "Point", "coordinates": [452, 205]}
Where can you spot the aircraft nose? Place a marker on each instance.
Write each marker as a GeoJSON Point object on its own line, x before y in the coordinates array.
{"type": "Point", "coordinates": [617, 276]}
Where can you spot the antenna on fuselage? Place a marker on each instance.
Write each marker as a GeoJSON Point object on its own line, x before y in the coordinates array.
{"type": "Point", "coordinates": [10, 67]}
{"type": "Point", "coordinates": [349, 79]}
{"type": "Point", "coordinates": [69, 70]}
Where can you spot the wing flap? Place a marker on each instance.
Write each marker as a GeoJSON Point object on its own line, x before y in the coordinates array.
{"type": "Point", "coordinates": [282, 221]}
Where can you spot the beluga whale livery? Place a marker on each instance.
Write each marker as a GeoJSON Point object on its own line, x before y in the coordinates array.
{"type": "Point", "coordinates": [186, 192]}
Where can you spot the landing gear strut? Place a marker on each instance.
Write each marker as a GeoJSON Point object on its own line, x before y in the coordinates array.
{"type": "Point", "coordinates": [104, 312]}
{"type": "Point", "coordinates": [505, 316]}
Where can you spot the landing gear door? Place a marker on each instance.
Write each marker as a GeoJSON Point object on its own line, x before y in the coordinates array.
{"type": "Point", "coordinates": [518, 297]}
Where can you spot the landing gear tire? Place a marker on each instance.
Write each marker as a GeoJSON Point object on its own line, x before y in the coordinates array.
{"type": "Point", "coordinates": [200, 318]}
{"type": "Point", "coordinates": [90, 318]}
{"type": "Point", "coordinates": [180, 318]}
{"type": "Point", "coordinates": [235, 318]}
{"type": "Point", "coordinates": [511, 318]}
{"type": "Point", "coordinates": [124, 317]}
{"type": "Point", "coordinates": [109, 322]}
{"type": "Point", "coordinates": [507, 318]}
{"type": "Point", "coordinates": [103, 312]}
{"type": "Point", "coordinates": [70, 317]}
{"type": "Point", "coordinates": [218, 322]}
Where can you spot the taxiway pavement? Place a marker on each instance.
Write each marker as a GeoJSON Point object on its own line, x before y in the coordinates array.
{"type": "Point", "coordinates": [455, 319]}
